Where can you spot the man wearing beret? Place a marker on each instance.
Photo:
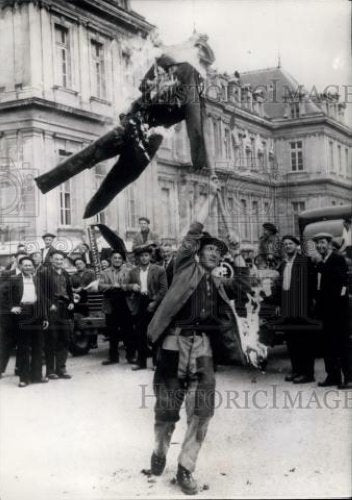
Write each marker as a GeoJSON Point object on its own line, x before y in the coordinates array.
{"type": "Point", "coordinates": [269, 242]}
{"type": "Point", "coordinates": [333, 310]}
{"type": "Point", "coordinates": [294, 293]}
{"type": "Point", "coordinates": [145, 236]}
{"type": "Point", "coordinates": [194, 327]}
{"type": "Point", "coordinates": [48, 249]}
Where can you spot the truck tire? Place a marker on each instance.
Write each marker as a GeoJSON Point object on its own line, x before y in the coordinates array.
{"type": "Point", "coordinates": [79, 343]}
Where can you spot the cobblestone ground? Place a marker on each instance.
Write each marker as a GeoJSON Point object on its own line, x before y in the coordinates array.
{"type": "Point", "coordinates": [88, 438]}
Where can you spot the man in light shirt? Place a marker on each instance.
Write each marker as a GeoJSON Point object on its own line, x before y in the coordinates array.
{"type": "Point", "coordinates": [148, 284]}
{"type": "Point", "coordinates": [294, 294]}
{"type": "Point", "coordinates": [27, 305]}
{"type": "Point", "coordinates": [48, 249]}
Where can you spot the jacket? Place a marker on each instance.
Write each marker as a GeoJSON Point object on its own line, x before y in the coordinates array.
{"type": "Point", "coordinates": [297, 302]}
{"type": "Point", "coordinates": [188, 272]}
{"type": "Point", "coordinates": [332, 295]}
{"type": "Point", "coordinates": [156, 284]}
{"type": "Point", "coordinates": [138, 239]}
{"type": "Point", "coordinates": [14, 292]}
{"type": "Point", "coordinates": [46, 280]}
{"type": "Point", "coordinates": [107, 283]}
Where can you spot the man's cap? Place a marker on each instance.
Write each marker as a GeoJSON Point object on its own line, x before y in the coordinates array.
{"type": "Point", "coordinates": [321, 236]}
{"type": "Point", "coordinates": [207, 239]}
{"type": "Point", "coordinates": [60, 252]}
{"type": "Point", "coordinates": [49, 234]}
{"type": "Point", "coordinates": [145, 219]}
{"type": "Point", "coordinates": [292, 238]}
{"type": "Point", "coordinates": [143, 248]}
{"type": "Point", "coordinates": [270, 226]}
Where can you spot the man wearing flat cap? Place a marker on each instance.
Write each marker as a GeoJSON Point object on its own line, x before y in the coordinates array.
{"type": "Point", "coordinates": [48, 249]}
{"type": "Point", "coordinates": [193, 327]}
{"type": "Point", "coordinates": [147, 283]}
{"type": "Point", "coordinates": [145, 236]}
{"type": "Point", "coordinates": [269, 242]}
{"type": "Point", "coordinates": [294, 294]}
{"type": "Point", "coordinates": [333, 311]}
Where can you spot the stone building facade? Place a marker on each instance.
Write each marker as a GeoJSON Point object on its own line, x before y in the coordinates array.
{"type": "Point", "coordinates": [66, 73]}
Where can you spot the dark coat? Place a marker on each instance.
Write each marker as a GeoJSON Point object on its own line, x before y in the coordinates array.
{"type": "Point", "coordinates": [156, 284]}
{"type": "Point", "coordinates": [188, 273]}
{"type": "Point", "coordinates": [46, 280]}
{"type": "Point", "coordinates": [297, 302]}
{"type": "Point", "coordinates": [14, 292]}
{"type": "Point", "coordinates": [332, 298]}
{"type": "Point", "coordinates": [169, 269]}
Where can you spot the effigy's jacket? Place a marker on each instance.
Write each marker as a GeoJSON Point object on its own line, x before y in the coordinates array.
{"type": "Point", "coordinates": [225, 341]}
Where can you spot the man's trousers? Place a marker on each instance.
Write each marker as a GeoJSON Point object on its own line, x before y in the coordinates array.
{"type": "Point", "coordinates": [57, 340]}
{"type": "Point", "coordinates": [30, 346]}
{"type": "Point", "coordinates": [186, 374]}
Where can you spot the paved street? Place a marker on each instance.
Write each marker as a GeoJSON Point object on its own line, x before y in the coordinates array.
{"type": "Point", "coordinates": [88, 438]}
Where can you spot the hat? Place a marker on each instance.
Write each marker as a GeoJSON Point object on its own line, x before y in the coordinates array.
{"type": "Point", "coordinates": [271, 227]}
{"type": "Point", "coordinates": [142, 248]}
{"type": "Point", "coordinates": [145, 219]}
{"type": "Point", "coordinates": [292, 238]}
{"type": "Point", "coordinates": [207, 239]}
{"type": "Point", "coordinates": [49, 234]}
{"type": "Point", "coordinates": [321, 236]}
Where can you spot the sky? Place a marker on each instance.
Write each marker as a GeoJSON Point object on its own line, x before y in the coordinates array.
{"type": "Point", "coordinates": [311, 37]}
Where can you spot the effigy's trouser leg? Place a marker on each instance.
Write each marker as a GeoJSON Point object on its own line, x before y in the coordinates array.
{"type": "Point", "coordinates": [107, 146]}
{"type": "Point", "coordinates": [130, 165]}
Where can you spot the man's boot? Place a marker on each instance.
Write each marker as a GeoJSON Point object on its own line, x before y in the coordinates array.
{"type": "Point", "coordinates": [186, 481]}
{"type": "Point", "coordinates": [157, 464]}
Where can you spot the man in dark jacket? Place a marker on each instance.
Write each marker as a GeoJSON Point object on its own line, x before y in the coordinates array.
{"type": "Point", "coordinates": [168, 260]}
{"type": "Point", "coordinates": [332, 309]}
{"type": "Point", "coordinates": [48, 250]}
{"type": "Point", "coordinates": [194, 326]}
{"type": "Point", "coordinates": [294, 292]}
{"type": "Point", "coordinates": [148, 284]}
{"type": "Point", "coordinates": [27, 305]}
{"type": "Point", "coordinates": [145, 236]}
{"type": "Point", "coordinates": [57, 287]}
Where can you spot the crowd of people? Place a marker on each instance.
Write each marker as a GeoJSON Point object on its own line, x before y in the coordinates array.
{"type": "Point", "coordinates": [40, 293]}
{"type": "Point", "coordinates": [176, 308]}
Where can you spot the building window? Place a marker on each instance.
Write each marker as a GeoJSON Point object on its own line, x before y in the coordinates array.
{"type": "Point", "coordinates": [294, 108]}
{"type": "Point", "coordinates": [217, 138]}
{"type": "Point", "coordinates": [255, 220]}
{"type": "Point", "coordinates": [166, 212]}
{"type": "Point", "coordinates": [65, 203]}
{"type": "Point", "coordinates": [296, 156]}
{"type": "Point", "coordinates": [131, 207]}
{"type": "Point", "coordinates": [331, 155]}
{"type": "Point", "coordinates": [252, 152]}
{"type": "Point", "coordinates": [297, 208]}
{"type": "Point", "coordinates": [339, 156]}
{"type": "Point", "coordinates": [99, 86]}
{"type": "Point", "coordinates": [346, 162]}
{"type": "Point", "coordinates": [245, 224]}
{"type": "Point", "coordinates": [99, 174]}
{"type": "Point", "coordinates": [63, 56]}
{"type": "Point", "coordinates": [228, 143]}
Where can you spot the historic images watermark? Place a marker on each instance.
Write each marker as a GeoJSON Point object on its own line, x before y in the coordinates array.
{"type": "Point", "coordinates": [270, 398]}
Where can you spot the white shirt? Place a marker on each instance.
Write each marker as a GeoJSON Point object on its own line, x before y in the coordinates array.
{"type": "Point", "coordinates": [29, 294]}
{"type": "Point", "coordinates": [144, 280]}
{"type": "Point", "coordinates": [286, 282]}
{"type": "Point", "coordinates": [45, 252]}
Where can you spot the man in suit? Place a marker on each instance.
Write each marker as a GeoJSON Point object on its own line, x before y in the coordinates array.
{"type": "Point", "coordinates": [148, 284]}
{"type": "Point", "coordinates": [27, 305]}
{"type": "Point", "coordinates": [8, 327]}
{"type": "Point", "coordinates": [118, 317]}
{"type": "Point", "coordinates": [333, 311]}
{"type": "Point", "coordinates": [145, 236]}
{"type": "Point", "coordinates": [294, 293]}
{"type": "Point", "coordinates": [194, 327]}
{"type": "Point", "coordinates": [57, 287]}
{"type": "Point", "coordinates": [168, 260]}
{"type": "Point", "coordinates": [48, 249]}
